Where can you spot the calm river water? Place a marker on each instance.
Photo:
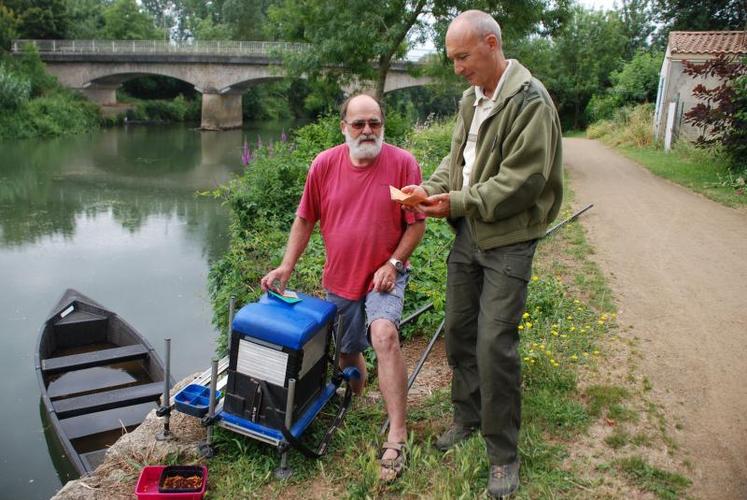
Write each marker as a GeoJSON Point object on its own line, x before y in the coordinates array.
{"type": "Point", "coordinates": [113, 215]}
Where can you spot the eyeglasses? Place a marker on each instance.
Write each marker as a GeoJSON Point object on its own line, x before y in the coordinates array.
{"type": "Point", "coordinates": [361, 124]}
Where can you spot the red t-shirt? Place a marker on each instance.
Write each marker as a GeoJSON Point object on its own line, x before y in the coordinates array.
{"type": "Point", "coordinates": [360, 224]}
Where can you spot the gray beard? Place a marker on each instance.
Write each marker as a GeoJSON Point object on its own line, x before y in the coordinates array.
{"type": "Point", "coordinates": [366, 150]}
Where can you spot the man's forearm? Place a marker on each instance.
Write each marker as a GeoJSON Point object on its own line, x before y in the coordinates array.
{"type": "Point", "coordinates": [410, 240]}
{"type": "Point", "coordinates": [297, 241]}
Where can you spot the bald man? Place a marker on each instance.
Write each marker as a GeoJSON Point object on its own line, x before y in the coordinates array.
{"type": "Point", "coordinates": [500, 187]}
{"type": "Point", "coordinates": [367, 239]}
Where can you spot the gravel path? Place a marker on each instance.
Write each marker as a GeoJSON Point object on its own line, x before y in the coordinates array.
{"type": "Point", "coordinates": [677, 264]}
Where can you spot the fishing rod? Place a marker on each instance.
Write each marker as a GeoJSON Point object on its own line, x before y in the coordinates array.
{"type": "Point", "coordinates": [569, 219]}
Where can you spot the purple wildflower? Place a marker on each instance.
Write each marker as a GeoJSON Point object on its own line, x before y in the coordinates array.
{"type": "Point", "coordinates": [246, 154]}
{"type": "Point", "coordinates": [283, 136]}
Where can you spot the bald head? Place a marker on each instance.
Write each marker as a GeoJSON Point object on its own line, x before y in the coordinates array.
{"type": "Point", "coordinates": [477, 22]}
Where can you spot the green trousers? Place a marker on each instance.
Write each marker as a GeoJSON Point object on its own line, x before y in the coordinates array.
{"type": "Point", "coordinates": [486, 295]}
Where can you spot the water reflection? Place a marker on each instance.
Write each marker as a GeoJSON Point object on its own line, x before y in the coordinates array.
{"type": "Point", "coordinates": [133, 174]}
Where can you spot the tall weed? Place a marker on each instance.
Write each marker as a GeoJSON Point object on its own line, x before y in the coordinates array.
{"type": "Point", "coordinates": [630, 126]}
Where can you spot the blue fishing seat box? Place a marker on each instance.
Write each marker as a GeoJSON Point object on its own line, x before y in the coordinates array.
{"type": "Point", "coordinates": [273, 341]}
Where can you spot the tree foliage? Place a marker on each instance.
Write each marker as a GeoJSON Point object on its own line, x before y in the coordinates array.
{"type": "Point", "coordinates": [86, 18]}
{"type": "Point", "coordinates": [43, 19]}
{"type": "Point", "coordinates": [357, 34]}
{"type": "Point", "coordinates": [572, 68]}
{"type": "Point", "coordinates": [124, 20]}
{"type": "Point", "coordinates": [637, 82]}
{"type": "Point", "coordinates": [704, 15]}
{"type": "Point", "coordinates": [8, 27]}
{"type": "Point", "coordinates": [721, 114]}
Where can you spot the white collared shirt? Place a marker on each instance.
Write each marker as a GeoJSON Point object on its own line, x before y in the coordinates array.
{"type": "Point", "coordinates": [483, 107]}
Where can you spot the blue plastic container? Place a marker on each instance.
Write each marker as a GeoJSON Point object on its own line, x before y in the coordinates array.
{"type": "Point", "coordinates": [194, 400]}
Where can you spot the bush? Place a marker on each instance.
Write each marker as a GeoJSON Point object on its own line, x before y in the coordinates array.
{"type": "Point", "coordinates": [630, 126]}
{"type": "Point", "coordinates": [58, 113]}
{"type": "Point", "coordinates": [14, 89]}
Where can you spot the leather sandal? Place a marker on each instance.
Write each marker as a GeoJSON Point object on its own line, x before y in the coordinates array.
{"type": "Point", "coordinates": [391, 468]}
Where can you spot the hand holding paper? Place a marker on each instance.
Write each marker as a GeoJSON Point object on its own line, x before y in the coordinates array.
{"type": "Point", "coordinates": [409, 200]}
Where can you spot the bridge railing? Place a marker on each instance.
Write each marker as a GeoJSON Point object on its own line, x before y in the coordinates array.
{"type": "Point", "coordinates": [207, 47]}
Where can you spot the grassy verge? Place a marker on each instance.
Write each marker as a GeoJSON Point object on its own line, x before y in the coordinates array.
{"type": "Point", "coordinates": [701, 171]}
{"type": "Point", "coordinates": [705, 171]}
{"type": "Point", "coordinates": [566, 332]}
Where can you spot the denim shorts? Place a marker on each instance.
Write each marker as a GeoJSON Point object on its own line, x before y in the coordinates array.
{"type": "Point", "coordinates": [357, 315]}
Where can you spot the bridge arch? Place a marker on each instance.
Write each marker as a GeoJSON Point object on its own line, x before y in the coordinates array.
{"type": "Point", "coordinates": [221, 71]}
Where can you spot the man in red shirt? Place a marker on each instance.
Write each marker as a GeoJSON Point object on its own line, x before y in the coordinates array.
{"type": "Point", "coordinates": [368, 239]}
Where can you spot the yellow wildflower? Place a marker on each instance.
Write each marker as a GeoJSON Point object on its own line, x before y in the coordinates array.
{"type": "Point", "coordinates": [535, 278]}
{"type": "Point", "coordinates": [521, 327]}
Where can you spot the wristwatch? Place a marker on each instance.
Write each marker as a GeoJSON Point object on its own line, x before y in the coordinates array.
{"type": "Point", "coordinates": [398, 265]}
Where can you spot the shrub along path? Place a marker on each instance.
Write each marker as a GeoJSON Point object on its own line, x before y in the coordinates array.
{"type": "Point", "coordinates": [677, 264]}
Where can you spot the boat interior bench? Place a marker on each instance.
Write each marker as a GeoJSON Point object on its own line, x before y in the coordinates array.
{"type": "Point", "coordinates": [100, 401]}
{"type": "Point", "coordinates": [95, 358]}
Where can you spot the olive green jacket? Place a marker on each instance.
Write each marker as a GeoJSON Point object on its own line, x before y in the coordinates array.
{"type": "Point", "coordinates": [516, 184]}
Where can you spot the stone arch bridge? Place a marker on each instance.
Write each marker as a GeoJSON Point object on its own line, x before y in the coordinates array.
{"type": "Point", "coordinates": [220, 70]}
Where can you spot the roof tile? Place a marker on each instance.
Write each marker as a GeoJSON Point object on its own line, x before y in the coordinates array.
{"type": "Point", "coordinates": [708, 42]}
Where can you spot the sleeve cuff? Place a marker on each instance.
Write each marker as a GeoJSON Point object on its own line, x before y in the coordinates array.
{"type": "Point", "coordinates": [457, 206]}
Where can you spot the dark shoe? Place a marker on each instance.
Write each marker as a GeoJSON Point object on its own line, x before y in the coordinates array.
{"type": "Point", "coordinates": [504, 479]}
{"type": "Point", "coordinates": [454, 435]}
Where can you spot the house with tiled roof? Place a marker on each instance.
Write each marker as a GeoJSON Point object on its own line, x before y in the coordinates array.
{"type": "Point", "coordinates": [675, 95]}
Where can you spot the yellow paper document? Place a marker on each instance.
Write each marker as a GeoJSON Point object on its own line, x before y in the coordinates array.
{"type": "Point", "coordinates": [409, 200]}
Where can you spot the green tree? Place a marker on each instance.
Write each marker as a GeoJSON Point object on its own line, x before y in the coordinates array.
{"type": "Point", "coordinates": [8, 26]}
{"type": "Point", "coordinates": [637, 82]}
{"type": "Point", "coordinates": [45, 19]}
{"type": "Point", "coordinates": [704, 15]}
{"type": "Point", "coordinates": [207, 29]}
{"type": "Point", "coordinates": [87, 18]}
{"type": "Point", "coordinates": [163, 12]}
{"type": "Point", "coordinates": [358, 41]}
{"type": "Point", "coordinates": [582, 68]}
{"type": "Point", "coordinates": [638, 24]}
{"type": "Point", "coordinates": [124, 20]}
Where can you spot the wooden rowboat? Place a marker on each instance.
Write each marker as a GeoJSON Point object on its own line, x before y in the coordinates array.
{"type": "Point", "coordinates": [98, 378]}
